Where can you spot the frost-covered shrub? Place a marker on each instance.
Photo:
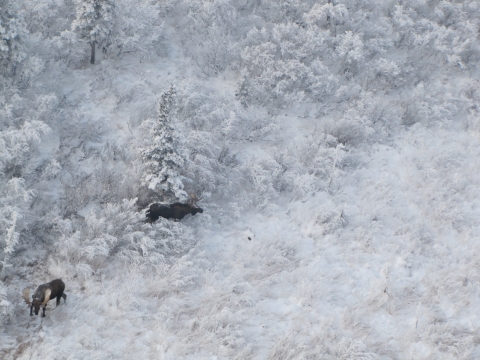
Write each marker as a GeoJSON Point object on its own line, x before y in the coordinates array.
{"type": "Point", "coordinates": [49, 26]}
{"type": "Point", "coordinates": [327, 16]}
{"type": "Point", "coordinates": [318, 158]}
{"type": "Point", "coordinates": [260, 175]}
{"type": "Point", "coordinates": [304, 167]}
{"type": "Point", "coordinates": [205, 109]}
{"type": "Point", "coordinates": [116, 174]}
{"type": "Point", "coordinates": [32, 68]}
{"type": "Point", "coordinates": [350, 52]}
{"type": "Point", "coordinates": [117, 231]}
{"type": "Point", "coordinates": [208, 32]}
{"type": "Point", "coordinates": [214, 54]}
{"type": "Point", "coordinates": [291, 62]}
{"type": "Point", "coordinates": [352, 128]}
{"type": "Point", "coordinates": [45, 17]}
{"type": "Point", "coordinates": [16, 145]}
{"type": "Point", "coordinates": [386, 72]}
{"type": "Point", "coordinates": [139, 29]}
{"type": "Point", "coordinates": [210, 122]}
{"type": "Point", "coordinates": [283, 65]}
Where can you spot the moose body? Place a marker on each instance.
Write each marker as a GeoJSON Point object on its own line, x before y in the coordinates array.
{"type": "Point", "coordinates": [45, 293]}
{"type": "Point", "coordinates": [176, 211]}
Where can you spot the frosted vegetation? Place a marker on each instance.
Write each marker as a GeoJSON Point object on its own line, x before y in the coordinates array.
{"type": "Point", "coordinates": [335, 148]}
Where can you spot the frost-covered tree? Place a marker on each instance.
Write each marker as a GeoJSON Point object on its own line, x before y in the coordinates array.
{"type": "Point", "coordinates": [19, 141]}
{"type": "Point", "coordinates": [12, 30]}
{"type": "Point", "coordinates": [139, 28]}
{"type": "Point", "coordinates": [163, 157]}
{"type": "Point", "coordinates": [5, 305]}
{"type": "Point", "coordinates": [14, 201]}
{"type": "Point", "coordinates": [327, 16]}
{"type": "Point", "coordinates": [16, 146]}
{"type": "Point", "coordinates": [95, 22]}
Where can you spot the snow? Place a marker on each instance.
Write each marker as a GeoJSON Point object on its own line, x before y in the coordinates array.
{"type": "Point", "coordinates": [339, 223]}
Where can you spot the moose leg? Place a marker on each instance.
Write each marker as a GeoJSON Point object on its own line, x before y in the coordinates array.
{"type": "Point", "coordinates": [58, 300]}
{"type": "Point", "coordinates": [92, 54]}
{"type": "Point", "coordinates": [31, 310]}
{"type": "Point", "coordinates": [64, 298]}
{"type": "Point", "coordinates": [44, 310]}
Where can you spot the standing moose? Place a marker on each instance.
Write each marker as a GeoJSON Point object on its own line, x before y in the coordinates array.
{"type": "Point", "coordinates": [44, 293]}
{"type": "Point", "coordinates": [176, 211]}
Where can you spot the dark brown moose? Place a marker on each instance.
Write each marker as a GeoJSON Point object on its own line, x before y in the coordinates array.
{"type": "Point", "coordinates": [175, 211]}
{"type": "Point", "coordinates": [44, 293]}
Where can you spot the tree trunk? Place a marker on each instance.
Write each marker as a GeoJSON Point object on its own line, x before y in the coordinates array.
{"type": "Point", "coordinates": [92, 54]}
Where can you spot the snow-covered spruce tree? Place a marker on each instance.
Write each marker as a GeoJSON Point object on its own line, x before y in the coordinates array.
{"type": "Point", "coordinates": [95, 22]}
{"type": "Point", "coordinates": [162, 158]}
{"type": "Point", "coordinates": [12, 29]}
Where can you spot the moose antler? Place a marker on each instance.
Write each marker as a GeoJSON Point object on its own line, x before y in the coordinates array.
{"type": "Point", "coordinates": [194, 199]}
{"type": "Point", "coordinates": [26, 296]}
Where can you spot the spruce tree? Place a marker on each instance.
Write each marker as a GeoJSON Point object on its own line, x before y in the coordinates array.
{"type": "Point", "coordinates": [162, 158]}
{"type": "Point", "coordinates": [95, 22]}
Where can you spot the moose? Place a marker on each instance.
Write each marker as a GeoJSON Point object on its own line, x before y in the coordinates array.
{"type": "Point", "coordinates": [176, 211]}
{"type": "Point", "coordinates": [45, 293]}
